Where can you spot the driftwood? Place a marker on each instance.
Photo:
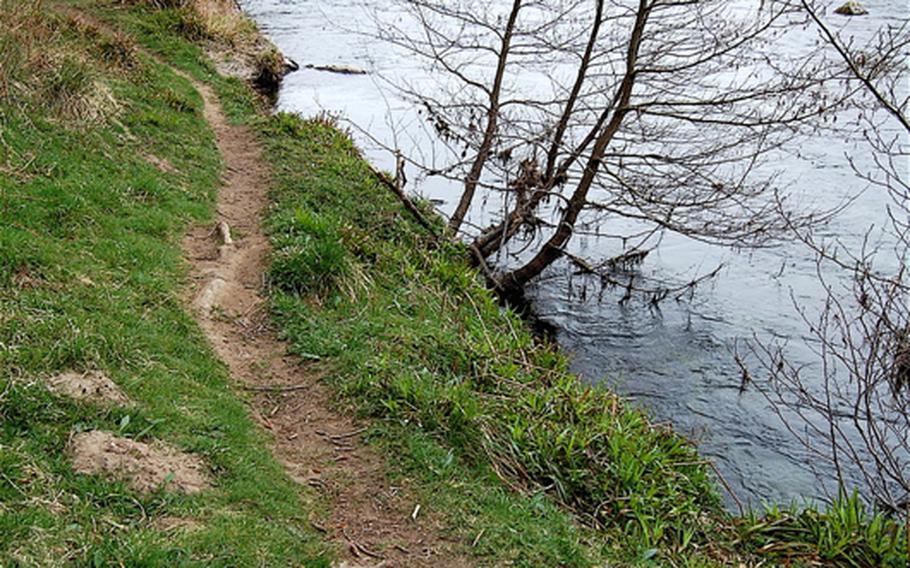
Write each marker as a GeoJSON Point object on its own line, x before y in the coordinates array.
{"type": "Point", "coordinates": [339, 69]}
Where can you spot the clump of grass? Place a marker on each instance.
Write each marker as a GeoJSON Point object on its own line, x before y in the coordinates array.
{"type": "Point", "coordinates": [224, 22]}
{"type": "Point", "coordinates": [178, 101]}
{"type": "Point", "coordinates": [310, 257]}
{"type": "Point", "coordinates": [68, 87]}
{"type": "Point", "coordinates": [113, 48]}
{"type": "Point", "coordinates": [846, 533]}
{"type": "Point", "coordinates": [72, 91]}
{"type": "Point", "coordinates": [42, 68]}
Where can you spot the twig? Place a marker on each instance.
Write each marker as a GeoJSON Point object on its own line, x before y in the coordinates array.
{"type": "Point", "coordinates": [739, 504]}
{"type": "Point", "coordinates": [350, 434]}
{"type": "Point", "coordinates": [481, 262]}
{"type": "Point", "coordinates": [13, 485]}
{"type": "Point", "coordinates": [272, 388]}
{"type": "Point", "coordinates": [361, 549]}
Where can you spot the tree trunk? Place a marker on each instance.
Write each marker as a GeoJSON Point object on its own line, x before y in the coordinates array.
{"type": "Point", "coordinates": [553, 248]}
{"type": "Point", "coordinates": [493, 239]}
{"type": "Point", "coordinates": [470, 186]}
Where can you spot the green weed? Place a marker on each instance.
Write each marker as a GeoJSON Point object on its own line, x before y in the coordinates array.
{"type": "Point", "coordinates": [846, 533]}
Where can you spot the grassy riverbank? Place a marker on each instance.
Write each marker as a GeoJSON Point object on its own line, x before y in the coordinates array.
{"type": "Point", "coordinates": [463, 392]}
{"type": "Point", "coordinates": [104, 162]}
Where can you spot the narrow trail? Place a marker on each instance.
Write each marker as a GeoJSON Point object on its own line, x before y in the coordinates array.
{"type": "Point", "coordinates": [368, 517]}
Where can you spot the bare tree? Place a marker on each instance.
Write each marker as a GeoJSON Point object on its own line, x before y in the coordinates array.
{"type": "Point", "coordinates": [579, 114]}
{"type": "Point", "coordinates": [630, 118]}
{"type": "Point", "coordinates": [852, 409]}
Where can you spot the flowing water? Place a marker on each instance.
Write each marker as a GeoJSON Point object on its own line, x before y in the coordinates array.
{"type": "Point", "coordinates": [676, 361]}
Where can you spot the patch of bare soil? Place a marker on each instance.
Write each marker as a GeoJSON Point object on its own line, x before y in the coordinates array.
{"type": "Point", "coordinates": [368, 517]}
{"type": "Point", "coordinates": [169, 524]}
{"type": "Point", "coordinates": [162, 164]}
{"type": "Point", "coordinates": [94, 387]}
{"type": "Point", "coordinates": [144, 467]}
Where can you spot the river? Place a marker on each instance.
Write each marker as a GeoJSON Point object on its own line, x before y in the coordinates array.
{"type": "Point", "coordinates": [675, 361]}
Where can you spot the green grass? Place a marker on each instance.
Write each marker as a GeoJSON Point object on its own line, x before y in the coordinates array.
{"type": "Point", "coordinates": [92, 277]}
{"type": "Point", "coordinates": [526, 466]}
{"type": "Point", "coordinates": [845, 534]}
{"type": "Point", "coordinates": [463, 393]}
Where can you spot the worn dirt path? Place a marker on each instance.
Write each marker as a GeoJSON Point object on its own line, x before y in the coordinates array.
{"type": "Point", "coordinates": [369, 518]}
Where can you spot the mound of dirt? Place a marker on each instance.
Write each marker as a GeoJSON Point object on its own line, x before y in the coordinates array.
{"type": "Point", "coordinates": [93, 387]}
{"type": "Point", "coordinates": [144, 467]}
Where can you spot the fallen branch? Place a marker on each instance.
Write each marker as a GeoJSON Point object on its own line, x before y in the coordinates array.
{"type": "Point", "coordinates": [271, 388]}
{"type": "Point", "coordinates": [396, 186]}
{"type": "Point", "coordinates": [723, 481]}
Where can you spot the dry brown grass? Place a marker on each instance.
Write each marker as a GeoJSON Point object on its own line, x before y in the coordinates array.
{"type": "Point", "coordinates": [114, 48]}
{"type": "Point", "coordinates": [233, 42]}
{"type": "Point", "coordinates": [22, 29]}
{"type": "Point", "coordinates": [41, 66]}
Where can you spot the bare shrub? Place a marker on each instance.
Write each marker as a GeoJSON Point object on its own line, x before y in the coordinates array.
{"type": "Point", "coordinates": [851, 407]}
{"type": "Point", "coordinates": [658, 113]}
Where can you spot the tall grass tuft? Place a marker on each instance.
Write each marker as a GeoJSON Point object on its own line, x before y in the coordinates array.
{"type": "Point", "coordinates": [846, 533]}
{"type": "Point", "coordinates": [111, 47]}
{"type": "Point", "coordinates": [309, 257]}
{"type": "Point", "coordinates": [41, 67]}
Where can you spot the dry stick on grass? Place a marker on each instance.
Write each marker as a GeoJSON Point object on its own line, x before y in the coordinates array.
{"type": "Point", "coordinates": [276, 389]}
{"type": "Point", "coordinates": [396, 187]}
{"type": "Point", "coordinates": [726, 485]}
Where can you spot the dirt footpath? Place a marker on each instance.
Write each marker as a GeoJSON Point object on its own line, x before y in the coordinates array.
{"type": "Point", "coordinates": [370, 519]}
